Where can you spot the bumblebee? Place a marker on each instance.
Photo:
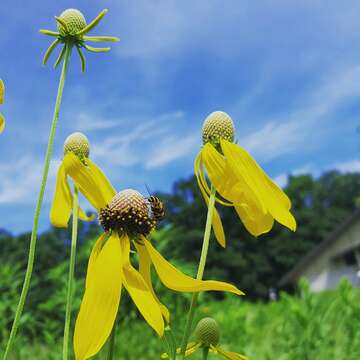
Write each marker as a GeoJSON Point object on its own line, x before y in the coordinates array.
{"type": "Point", "coordinates": [157, 208]}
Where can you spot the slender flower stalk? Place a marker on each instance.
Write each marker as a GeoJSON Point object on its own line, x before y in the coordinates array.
{"type": "Point", "coordinates": [39, 202]}
{"type": "Point", "coordinates": [201, 268]}
{"type": "Point", "coordinates": [69, 297]}
{"type": "Point", "coordinates": [205, 353]}
{"type": "Point", "coordinates": [112, 342]}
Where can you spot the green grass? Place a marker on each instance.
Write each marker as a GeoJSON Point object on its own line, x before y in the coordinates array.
{"type": "Point", "coordinates": [322, 326]}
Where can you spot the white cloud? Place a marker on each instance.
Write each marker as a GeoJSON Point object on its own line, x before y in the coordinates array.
{"type": "Point", "coordinates": [87, 122]}
{"type": "Point", "coordinates": [348, 166]}
{"type": "Point", "coordinates": [171, 149]}
{"type": "Point", "coordinates": [20, 180]}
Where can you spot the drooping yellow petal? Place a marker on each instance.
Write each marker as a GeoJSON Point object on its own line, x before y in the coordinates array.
{"type": "Point", "coordinates": [2, 123]}
{"type": "Point", "coordinates": [62, 202]}
{"type": "Point", "coordinates": [227, 354]}
{"type": "Point", "coordinates": [84, 217]}
{"type": "Point", "coordinates": [94, 187]}
{"type": "Point", "coordinates": [176, 280]}
{"type": "Point", "coordinates": [145, 271]}
{"type": "Point", "coordinates": [216, 221]}
{"type": "Point", "coordinates": [94, 254]}
{"type": "Point", "coordinates": [190, 349]}
{"type": "Point", "coordinates": [2, 92]}
{"type": "Point", "coordinates": [107, 189]}
{"type": "Point", "coordinates": [139, 291]}
{"type": "Point", "coordinates": [101, 300]}
{"type": "Point", "coordinates": [252, 213]}
{"type": "Point", "coordinates": [246, 168]}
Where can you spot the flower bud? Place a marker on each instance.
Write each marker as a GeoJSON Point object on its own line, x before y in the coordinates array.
{"type": "Point", "coordinates": [218, 125]}
{"type": "Point", "coordinates": [78, 144]}
{"type": "Point", "coordinates": [207, 332]}
{"type": "Point", "coordinates": [74, 21]}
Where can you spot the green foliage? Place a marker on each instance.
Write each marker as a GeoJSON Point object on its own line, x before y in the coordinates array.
{"type": "Point", "coordinates": [307, 326]}
{"type": "Point", "coordinates": [257, 264]}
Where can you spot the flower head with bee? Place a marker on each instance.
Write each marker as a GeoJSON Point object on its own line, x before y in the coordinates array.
{"type": "Point", "coordinates": [239, 180]}
{"type": "Point", "coordinates": [127, 218]}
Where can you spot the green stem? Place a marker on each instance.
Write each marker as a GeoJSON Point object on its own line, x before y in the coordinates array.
{"type": "Point", "coordinates": [205, 353]}
{"type": "Point", "coordinates": [32, 247]}
{"type": "Point", "coordinates": [112, 342]}
{"type": "Point", "coordinates": [71, 273]}
{"type": "Point", "coordinates": [201, 268]}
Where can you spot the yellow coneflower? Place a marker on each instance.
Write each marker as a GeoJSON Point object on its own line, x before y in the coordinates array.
{"type": "Point", "coordinates": [239, 180]}
{"type": "Point", "coordinates": [207, 337]}
{"type": "Point", "coordinates": [62, 205]}
{"type": "Point", "coordinates": [127, 218]}
{"type": "Point", "coordinates": [2, 93]}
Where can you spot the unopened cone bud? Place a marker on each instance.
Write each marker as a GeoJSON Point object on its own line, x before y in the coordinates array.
{"type": "Point", "coordinates": [78, 144]}
{"type": "Point", "coordinates": [207, 332]}
{"type": "Point", "coordinates": [218, 125]}
{"type": "Point", "coordinates": [74, 20]}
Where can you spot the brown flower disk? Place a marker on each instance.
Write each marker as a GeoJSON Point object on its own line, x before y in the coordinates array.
{"type": "Point", "coordinates": [128, 212]}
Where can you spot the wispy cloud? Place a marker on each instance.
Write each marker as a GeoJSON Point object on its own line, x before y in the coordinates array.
{"type": "Point", "coordinates": [171, 149]}
{"type": "Point", "coordinates": [20, 180]}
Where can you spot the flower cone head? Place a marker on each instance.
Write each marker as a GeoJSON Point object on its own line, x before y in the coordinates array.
{"type": "Point", "coordinates": [74, 20]}
{"type": "Point", "coordinates": [207, 332]}
{"type": "Point", "coordinates": [78, 144]}
{"type": "Point", "coordinates": [218, 125]}
{"type": "Point", "coordinates": [128, 212]}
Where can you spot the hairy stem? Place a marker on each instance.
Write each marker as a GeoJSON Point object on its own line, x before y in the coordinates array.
{"type": "Point", "coordinates": [201, 268]}
{"type": "Point", "coordinates": [69, 297]}
{"type": "Point", "coordinates": [32, 247]}
{"type": "Point", "coordinates": [205, 353]}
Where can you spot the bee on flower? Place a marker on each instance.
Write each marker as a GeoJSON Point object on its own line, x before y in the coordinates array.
{"type": "Point", "coordinates": [2, 93]}
{"type": "Point", "coordinates": [207, 338]}
{"type": "Point", "coordinates": [238, 179]}
{"type": "Point", "coordinates": [127, 218]}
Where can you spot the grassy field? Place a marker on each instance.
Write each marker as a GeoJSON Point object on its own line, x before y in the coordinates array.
{"type": "Point", "coordinates": [307, 326]}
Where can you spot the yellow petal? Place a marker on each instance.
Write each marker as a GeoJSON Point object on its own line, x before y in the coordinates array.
{"type": "Point", "coordinates": [140, 292]}
{"type": "Point", "coordinates": [227, 354]}
{"type": "Point", "coordinates": [252, 213]}
{"type": "Point", "coordinates": [272, 197]}
{"type": "Point", "coordinates": [216, 221]}
{"type": "Point", "coordinates": [84, 217]}
{"type": "Point", "coordinates": [176, 280]}
{"type": "Point", "coordinates": [2, 123]}
{"type": "Point", "coordinates": [101, 300]}
{"type": "Point", "coordinates": [145, 271]}
{"type": "Point", "coordinates": [107, 189]}
{"type": "Point", "coordinates": [190, 349]}
{"type": "Point", "coordinates": [62, 202]}
{"type": "Point", "coordinates": [95, 253]}
{"type": "Point", "coordinates": [2, 92]}
{"type": "Point", "coordinates": [90, 183]}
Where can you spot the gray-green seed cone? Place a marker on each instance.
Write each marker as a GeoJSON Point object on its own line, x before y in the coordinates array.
{"type": "Point", "coordinates": [207, 332]}
{"type": "Point", "coordinates": [218, 125]}
{"type": "Point", "coordinates": [74, 20]}
{"type": "Point", "coordinates": [78, 144]}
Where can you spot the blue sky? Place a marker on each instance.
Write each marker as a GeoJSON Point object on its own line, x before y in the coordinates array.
{"type": "Point", "coordinates": [287, 72]}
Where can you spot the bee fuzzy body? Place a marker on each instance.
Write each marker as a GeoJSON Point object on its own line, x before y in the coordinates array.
{"type": "Point", "coordinates": [157, 208]}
